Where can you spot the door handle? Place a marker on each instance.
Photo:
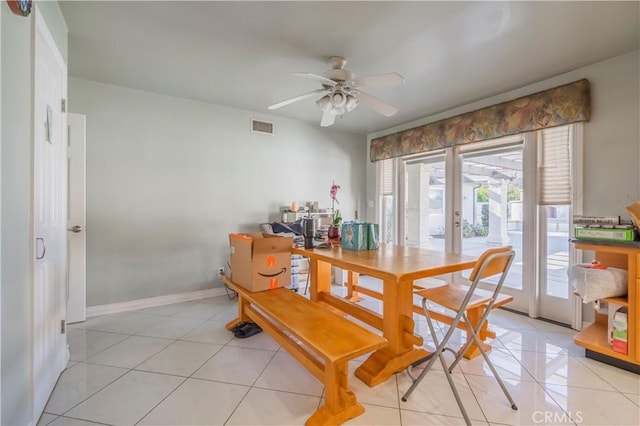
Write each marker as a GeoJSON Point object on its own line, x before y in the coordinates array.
{"type": "Point", "coordinates": [75, 229]}
{"type": "Point", "coordinates": [44, 248]}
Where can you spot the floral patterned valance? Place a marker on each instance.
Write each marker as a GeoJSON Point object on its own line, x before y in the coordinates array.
{"type": "Point", "coordinates": [561, 105]}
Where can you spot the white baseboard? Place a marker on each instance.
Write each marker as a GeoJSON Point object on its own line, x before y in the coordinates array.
{"type": "Point", "coordinates": [150, 302]}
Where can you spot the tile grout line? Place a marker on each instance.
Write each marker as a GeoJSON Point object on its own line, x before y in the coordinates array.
{"type": "Point", "coordinates": [250, 386]}
{"type": "Point", "coordinates": [104, 365]}
{"type": "Point", "coordinates": [512, 352]}
{"type": "Point", "coordinates": [185, 379]}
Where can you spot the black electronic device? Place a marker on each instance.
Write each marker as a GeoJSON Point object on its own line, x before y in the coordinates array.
{"type": "Point", "coordinates": [308, 231]}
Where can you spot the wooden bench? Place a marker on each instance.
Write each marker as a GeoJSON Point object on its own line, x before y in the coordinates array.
{"type": "Point", "coordinates": [291, 319]}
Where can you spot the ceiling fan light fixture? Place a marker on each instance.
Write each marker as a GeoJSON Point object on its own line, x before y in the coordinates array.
{"type": "Point", "coordinates": [324, 103]}
{"type": "Point", "coordinates": [339, 110]}
{"type": "Point", "coordinates": [341, 91]}
{"type": "Point", "coordinates": [338, 103]}
{"type": "Point", "coordinates": [351, 103]}
{"type": "Point", "coordinates": [338, 99]}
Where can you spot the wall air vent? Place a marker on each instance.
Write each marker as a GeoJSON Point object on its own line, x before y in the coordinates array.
{"type": "Point", "coordinates": [264, 127]}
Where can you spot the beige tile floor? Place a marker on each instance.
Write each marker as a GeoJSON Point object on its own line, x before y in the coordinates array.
{"type": "Point", "coordinates": [178, 365]}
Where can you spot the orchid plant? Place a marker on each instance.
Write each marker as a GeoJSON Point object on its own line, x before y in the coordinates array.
{"type": "Point", "coordinates": [333, 193]}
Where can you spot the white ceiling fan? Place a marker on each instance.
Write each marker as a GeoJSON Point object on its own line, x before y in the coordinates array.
{"type": "Point", "coordinates": [342, 91]}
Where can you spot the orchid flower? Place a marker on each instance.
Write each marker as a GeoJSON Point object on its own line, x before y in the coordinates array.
{"type": "Point", "coordinates": [334, 193]}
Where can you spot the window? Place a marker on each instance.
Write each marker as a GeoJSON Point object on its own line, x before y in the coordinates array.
{"type": "Point", "coordinates": [386, 200]}
{"type": "Point", "coordinates": [436, 200]}
{"type": "Point", "coordinates": [518, 190]}
{"type": "Point", "coordinates": [554, 167]}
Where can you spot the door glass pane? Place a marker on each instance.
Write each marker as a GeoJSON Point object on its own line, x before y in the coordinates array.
{"type": "Point", "coordinates": [492, 205]}
{"type": "Point", "coordinates": [557, 256]}
{"type": "Point", "coordinates": [425, 203]}
{"type": "Point", "coordinates": [388, 219]}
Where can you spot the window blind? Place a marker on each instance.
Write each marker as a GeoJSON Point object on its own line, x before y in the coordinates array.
{"type": "Point", "coordinates": [554, 170]}
{"type": "Point", "coordinates": [386, 177]}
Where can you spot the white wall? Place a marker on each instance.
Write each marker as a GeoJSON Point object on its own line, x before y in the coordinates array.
{"type": "Point", "coordinates": [50, 10]}
{"type": "Point", "coordinates": [168, 179]}
{"type": "Point", "coordinates": [0, 208]}
{"type": "Point", "coordinates": [16, 140]}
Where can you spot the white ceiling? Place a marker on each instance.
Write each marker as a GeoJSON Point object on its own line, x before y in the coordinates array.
{"type": "Point", "coordinates": [241, 54]}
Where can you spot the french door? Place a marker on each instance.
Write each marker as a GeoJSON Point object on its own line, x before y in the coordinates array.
{"type": "Point", "coordinates": [425, 183]}
{"type": "Point", "coordinates": [471, 198]}
{"type": "Point", "coordinates": [489, 209]}
{"type": "Point", "coordinates": [556, 254]}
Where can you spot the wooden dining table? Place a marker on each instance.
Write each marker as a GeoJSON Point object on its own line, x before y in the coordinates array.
{"type": "Point", "coordinates": [398, 267]}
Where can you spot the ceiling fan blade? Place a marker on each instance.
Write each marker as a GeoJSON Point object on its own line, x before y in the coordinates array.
{"type": "Point", "coordinates": [324, 80]}
{"type": "Point", "coordinates": [389, 79]}
{"type": "Point", "coordinates": [328, 118]}
{"type": "Point", "coordinates": [376, 104]}
{"type": "Point", "coordinates": [296, 99]}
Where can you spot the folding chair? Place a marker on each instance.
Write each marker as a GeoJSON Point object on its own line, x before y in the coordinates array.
{"type": "Point", "coordinates": [461, 300]}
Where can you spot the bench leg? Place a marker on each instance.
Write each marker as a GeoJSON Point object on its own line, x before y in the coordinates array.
{"type": "Point", "coordinates": [242, 316]}
{"type": "Point", "coordinates": [340, 403]}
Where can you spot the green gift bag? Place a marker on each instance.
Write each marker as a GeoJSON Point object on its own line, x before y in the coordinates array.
{"type": "Point", "coordinates": [373, 236]}
{"type": "Point", "coordinates": [353, 236]}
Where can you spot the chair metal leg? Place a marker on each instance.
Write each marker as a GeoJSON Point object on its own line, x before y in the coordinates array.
{"type": "Point", "coordinates": [472, 337]}
{"type": "Point", "coordinates": [432, 360]}
{"type": "Point", "coordinates": [475, 338]}
{"type": "Point", "coordinates": [439, 351]}
{"type": "Point", "coordinates": [460, 353]}
{"type": "Point", "coordinates": [492, 262]}
{"type": "Point", "coordinates": [416, 381]}
{"type": "Point", "coordinates": [452, 385]}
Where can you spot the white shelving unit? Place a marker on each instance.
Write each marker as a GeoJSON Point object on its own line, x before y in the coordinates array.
{"type": "Point", "coordinates": [325, 218]}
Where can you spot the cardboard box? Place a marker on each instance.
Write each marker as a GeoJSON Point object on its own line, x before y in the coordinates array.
{"type": "Point", "coordinates": [619, 341]}
{"type": "Point", "coordinates": [609, 309]}
{"type": "Point", "coordinates": [260, 261]}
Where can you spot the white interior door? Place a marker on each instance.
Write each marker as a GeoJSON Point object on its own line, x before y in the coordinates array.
{"type": "Point", "coordinates": [50, 353]}
{"type": "Point", "coordinates": [76, 304]}
{"type": "Point", "coordinates": [0, 221]}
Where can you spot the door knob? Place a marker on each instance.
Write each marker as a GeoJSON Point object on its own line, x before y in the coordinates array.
{"type": "Point", "coordinates": [75, 229]}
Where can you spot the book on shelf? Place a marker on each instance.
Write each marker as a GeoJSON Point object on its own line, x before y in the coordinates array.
{"type": "Point", "coordinates": [596, 220]}
{"type": "Point", "coordinates": [619, 233]}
